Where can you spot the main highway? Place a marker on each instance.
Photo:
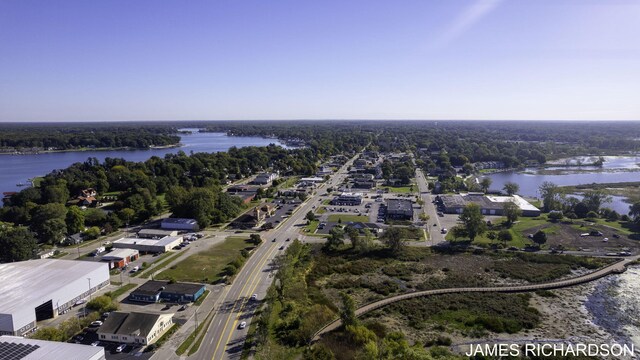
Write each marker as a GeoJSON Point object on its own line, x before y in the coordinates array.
{"type": "Point", "coordinates": [223, 338]}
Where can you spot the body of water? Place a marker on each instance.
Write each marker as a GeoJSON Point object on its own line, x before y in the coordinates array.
{"type": "Point", "coordinates": [614, 306]}
{"type": "Point", "coordinates": [615, 169]}
{"type": "Point", "coordinates": [15, 169]}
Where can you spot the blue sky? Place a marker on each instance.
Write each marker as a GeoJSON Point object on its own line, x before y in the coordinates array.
{"type": "Point", "coordinates": [354, 59]}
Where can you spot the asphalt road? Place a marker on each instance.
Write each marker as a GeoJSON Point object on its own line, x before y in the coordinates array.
{"type": "Point", "coordinates": [224, 339]}
{"type": "Point", "coordinates": [434, 231]}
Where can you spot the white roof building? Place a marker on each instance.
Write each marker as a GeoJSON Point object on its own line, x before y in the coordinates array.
{"type": "Point", "coordinates": [40, 289]}
{"type": "Point", "coordinates": [14, 347]}
{"type": "Point", "coordinates": [149, 245]}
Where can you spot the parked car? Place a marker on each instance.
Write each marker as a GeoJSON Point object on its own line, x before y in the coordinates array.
{"type": "Point", "coordinates": [120, 348]}
{"type": "Point", "coordinates": [183, 307]}
{"type": "Point", "coordinates": [242, 325]}
{"type": "Point", "coordinates": [95, 343]}
{"type": "Point", "coordinates": [96, 323]}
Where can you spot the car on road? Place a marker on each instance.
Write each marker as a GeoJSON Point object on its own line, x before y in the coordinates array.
{"type": "Point", "coordinates": [120, 348]}
{"type": "Point", "coordinates": [242, 325]}
{"type": "Point", "coordinates": [443, 231]}
{"type": "Point", "coordinates": [281, 247]}
{"type": "Point", "coordinates": [616, 236]}
{"type": "Point", "coordinates": [254, 297]}
{"type": "Point", "coordinates": [288, 239]}
{"type": "Point", "coordinates": [274, 240]}
{"type": "Point", "coordinates": [605, 239]}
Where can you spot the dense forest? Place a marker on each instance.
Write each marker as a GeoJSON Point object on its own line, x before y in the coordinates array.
{"type": "Point", "coordinates": [67, 136]}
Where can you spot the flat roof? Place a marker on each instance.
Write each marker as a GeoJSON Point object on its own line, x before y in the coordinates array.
{"type": "Point", "coordinates": [522, 203]}
{"type": "Point", "coordinates": [179, 221]}
{"type": "Point", "coordinates": [356, 194]}
{"type": "Point", "coordinates": [399, 205]}
{"type": "Point", "coordinates": [23, 282]}
{"type": "Point", "coordinates": [15, 347]}
{"type": "Point", "coordinates": [157, 231]}
{"type": "Point", "coordinates": [154, 286]}
{"type": "Point", "coordinates": [149, 242]}
{"type": "Point", "coordinates": [120, 254]}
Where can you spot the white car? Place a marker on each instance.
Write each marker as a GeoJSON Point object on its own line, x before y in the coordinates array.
{"type": "Point", "coordinates": [95, 343]}
{"type": "Point", "coordinates": [605, 239]}
{"type": "Point", "coordinates": [254, 297]}
{"type": "Point", "coordinates": [120, 348]}
{"type": "Point", "coordinates": [242, 325]}
{"type": "Point", "coordinates": [96, 323]}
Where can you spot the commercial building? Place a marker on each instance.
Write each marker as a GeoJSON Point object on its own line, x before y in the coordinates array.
{"type": "Point", "coordinates": [149, 245]}
{"type": "Point", "coordinates": [489, 205]}
{"type": "Point", "coordinates": [134, 327]}
{"type": "Point", "coordinates": [153, 291]}
{"type": "Point", "coordinates": [156, 233]}
{"type": "Point", "coordinates": [399, 209]}
{"type": "Point", "coordinates": [179, 224]}
{"type": "Point", "coordinates": [40, 289]}
{"type": "Point", "coordinates": [349, 199]}
{"type": "Point", "coordinates": [119, 258]}
{"type": "Point", "coordinates": [264, 178]}
{"type": "Point", "coordinates": [19, 348]}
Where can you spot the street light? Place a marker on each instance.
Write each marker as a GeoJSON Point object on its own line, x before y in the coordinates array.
{"type": "Point", "coordinates": [89, 288]}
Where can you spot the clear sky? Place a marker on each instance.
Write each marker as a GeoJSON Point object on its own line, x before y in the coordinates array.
{"type": "Point", "coordinates": [344, 59]}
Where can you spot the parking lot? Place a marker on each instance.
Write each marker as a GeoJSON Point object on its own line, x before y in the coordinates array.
{"type": "Point", "coordinates": [90, 337]}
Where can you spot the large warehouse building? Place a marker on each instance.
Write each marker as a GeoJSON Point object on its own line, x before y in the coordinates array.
{"type": "Point", "coordinates": [35, 290]}
{"type": "Point", "coordinates": [489, 205]}
{"type": "Point", "coordinates": [13, 347]}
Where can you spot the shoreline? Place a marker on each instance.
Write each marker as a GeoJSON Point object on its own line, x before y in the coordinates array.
{"type": "Point", "coordinates": [123, 148]}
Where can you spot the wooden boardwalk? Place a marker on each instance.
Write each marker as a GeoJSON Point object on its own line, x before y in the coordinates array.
{"type": "Point", "coordinates": [615, 268]}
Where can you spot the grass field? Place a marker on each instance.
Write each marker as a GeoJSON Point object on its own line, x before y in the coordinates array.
{"type": "Point", "coordinates": [347, 218]}
{"type": "Point", "coordinates": [121, 290]}
{"type": "Point", "coordinates": [208, 265]}
{"type": "Point", "coordinates": [321, 210]}
{"type": "Point", "coordinates": [401, 189]}
{"type": "Point", "coordinates": [312, 227]}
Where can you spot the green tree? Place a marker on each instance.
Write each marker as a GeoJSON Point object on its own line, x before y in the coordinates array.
{"type": "Point", "coordinates": [394, 238]}
{"type": "Point", "coordinates": [551, 196]}
{"type": "Point", "coordinates": [634, 211]}
{"type": "Point", "coordinates": [353, 235]}
{"type": "Point", "coordinates": [540, 238]}
{"type": "Point", "coordinates": [318, 352]}
{"type": "Point", "coordinates": [92, 233]}
{"type": "Point", "coordinates": [102, 304]}
{"type": "Point", "coordinates": [335, 239]}
{"type": "Point", "coordinates": [511, 188]}
{"type": "Point", "coordinates": [511, 211]}
{"type": "Point", "coordinates": [505, 236]}
{"type": "Point", "coordinates": [310, 216]}
{"type": "Point", "coordinates": [17, 243]}
{"type": "Point", "coordinates": [127, 215]}
{"type": "Point", "coordinates": [74, 220]}
{"type": "Point", "coordinates": [255, 239]}
{"type": "Point", "coordinates": [52, 231]}
{"type": "Point", "coordinates": [485, 183]}
{"type": "Point", "coordinates": [595, 199]}
{"type": "Point", "coordinates": [348, 310]}
{"type": "Point", "coordinates": [473, 221]}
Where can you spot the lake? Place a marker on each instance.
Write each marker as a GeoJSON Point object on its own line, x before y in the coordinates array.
{"type": "Point", "coordinates": [16, 169]}
{"type": "Point", "coordinates": [615, 169]}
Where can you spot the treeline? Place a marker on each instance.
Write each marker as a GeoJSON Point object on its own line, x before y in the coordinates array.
{"type": "Point", "coordinates": [75, 136]}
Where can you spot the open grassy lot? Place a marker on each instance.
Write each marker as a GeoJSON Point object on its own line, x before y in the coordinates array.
{"type": "Point", "coordinates": [401, 189]}
{"type": "Point", "coordinates": [209, 265]}
{"type": "Point", "coordinates": [565, 233]}
{"type": "Point", "coordinates": [347, 218]}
